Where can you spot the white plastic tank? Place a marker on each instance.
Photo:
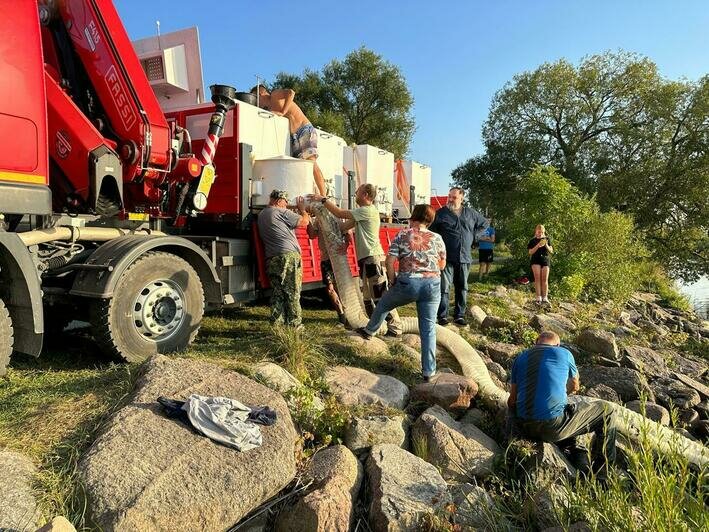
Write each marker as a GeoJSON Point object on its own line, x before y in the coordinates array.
{"type": "Point", "coordinates": [295, 176]}
{"type": "Point", "coordinates": [331, 163]}
{"type": "Point", "coordinates": [418, 175]}
{"type": "Point", "coordinates": [376, 166]}
{"type": "Point", "coordinates": [268, 134]}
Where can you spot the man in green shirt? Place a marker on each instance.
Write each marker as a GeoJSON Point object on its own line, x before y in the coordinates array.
{"type": "Point", "coordinates": [370, 255]}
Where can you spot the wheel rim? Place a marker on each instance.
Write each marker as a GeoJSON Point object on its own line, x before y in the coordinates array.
{"type": "Point", "coordinates": [158, 310]}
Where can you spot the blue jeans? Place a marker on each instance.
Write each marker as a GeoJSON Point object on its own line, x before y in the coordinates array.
{"type": "Point", "coordinates": [456, 274]}
{"type": "Point", "coordinates": [426, 291]}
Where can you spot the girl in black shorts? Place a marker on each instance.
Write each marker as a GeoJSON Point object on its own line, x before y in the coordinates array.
{"type": "Point", "coordinates": [539, 249]}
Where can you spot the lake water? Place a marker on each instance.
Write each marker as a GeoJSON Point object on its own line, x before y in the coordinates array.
{"type": "Point", "coordinates": [698, 294]}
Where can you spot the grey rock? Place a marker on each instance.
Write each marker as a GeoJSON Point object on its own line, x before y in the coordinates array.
{"type": "Point", "coordinates": [558, 323]}
{"type": "Point", "coordinates": [687, 417]}
{"type": "Point", "coordinates": [702, 389]}
{"type": "Point", "coordinates": [412, 340]}
{"type": "Point", "coordinates": [474, 416]}
{"type": "Point", "coordinates": [659, 330]}
{"type": "Point", "coordinates": [601, 391]}
{"type": "Point", "coordinates": [503, 354]}
{"type": "Point", "coordinates": [450, 391]}
{"type": "Point", "coordinates": [460, 451]}
{"type": "Point", "coordinates": [497, 370]}
{"type": "Point", "coordinates": [18, 509]}
{"type": "Point", "coordinates": [701, 429]}
{"type": "Point", "coordinates": [337, 477]}
{"type": "Point", "coordinates": [474, 507]}
{"type": "Point", "coordinates": [275, 377]}
{"type": "Point", "coordinates": [477, 314]}
{"type": "Point", "coordinates": [598, 341]}
{"type": "Point", "coordinates": [569, 308]}
{"type": "Point", "coordinates": [494, 323]}
{"type": "Point", "coordinates": [372, 347]}
{"type": "Point", "coordinates": [689, 367]}
{"type": "Point", "coordinates": [645, 360]}
{"type": "Point", "coordinates": [624, 332]}
{"type": "Point", "coordinates": [355, 386]}
{"type": "Point", "coordinates": [410, 352]}
{"type": "Point", "coordinates": [364, 432]}
{"type": "Point", "coordinates": [628, 383]}
{"type": "Point", "coordinates": [653, 411]}
{"type": "Point", "coordinates": [144, 466]}
{"type": "Point", "coordinates": [403, 488]}
{"type": "Point", "coordinates": [703, 409]}
{"type": "Point", "coordinates": [671, 393]}
{"type": "Point", "coordinates": [549, 463]}
{"type": "Point", "coordinates": [499, 291]}
{"type": "Point", "coordinates": [58, 524]}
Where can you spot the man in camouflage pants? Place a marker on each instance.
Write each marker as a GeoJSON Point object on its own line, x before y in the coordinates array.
{"type": "Point", "coordinates": [276, 225]}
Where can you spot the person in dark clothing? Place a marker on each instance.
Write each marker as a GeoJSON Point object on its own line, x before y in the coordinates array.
{"type": "Point", "coordinates": [458, 225]}
{"type": "Point", "coordinates": [539, 249]}
{"type": "Point", "coordinates": [540, 379]}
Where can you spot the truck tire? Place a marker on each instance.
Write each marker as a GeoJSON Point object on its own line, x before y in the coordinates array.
{"type": "Point", "coordinates": [157, 307]}
{"type": "Point", "coordinates": [6, 338]}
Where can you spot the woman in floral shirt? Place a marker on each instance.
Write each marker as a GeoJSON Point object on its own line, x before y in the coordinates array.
{"type": "Point", "coordinates": [421, 254]}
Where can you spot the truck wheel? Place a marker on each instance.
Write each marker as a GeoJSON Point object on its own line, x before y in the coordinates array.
{"type": "Point", "coordinates": [6, 338]}
{"type": "Point", "coordinates": [157, 307]}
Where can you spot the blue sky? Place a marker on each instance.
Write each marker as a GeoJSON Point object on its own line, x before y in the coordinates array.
{"type": "Point", "coordinates": [454, 55]}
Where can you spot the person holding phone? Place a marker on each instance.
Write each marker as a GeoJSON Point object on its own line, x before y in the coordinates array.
{"type": "Point", "coordinates": [539, 249]}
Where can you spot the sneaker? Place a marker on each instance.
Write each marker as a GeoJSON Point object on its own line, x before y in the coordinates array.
{"type": "Point", "coordinates": [363, 333]}
{"type": "Point", "coordinates": [545, 300]}
{"type": "Point", "coordinates": [461, 322]}
{"type": "Point", "coordinates": [443, 321]}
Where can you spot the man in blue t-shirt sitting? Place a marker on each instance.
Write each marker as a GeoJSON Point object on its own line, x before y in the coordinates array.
{"type": "Point", "coordinates": [540, 379]}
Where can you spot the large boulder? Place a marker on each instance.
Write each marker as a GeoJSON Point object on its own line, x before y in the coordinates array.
{"type": "Point", "coordinates": [503, 354]}
{"type": "Point", "coordinates": [702, 389]}
{"type": "Point", "coordinates": [355, 386]}
{"type": "Point", "coordinates": [601, 391]}
{"type": "Point", "coordinates": [474, 508]}
{"type": "Point", "coordinates": [477, 314]}
{"type": "Point", "coordinates": [491, 323]}
{"type": "Point", "coordinates": [628, 383]}
{"type": "Point", "coordinates": [692, 368]}
{"type": "Point", "coordinates": [364, 432]}
{"type": "Point", "coordinates": [58, 524]}
{"type": "Point", "coordinates": [460, 451]}
{"type": "Point", "coordinates": [149, 472]}
{"type": "Point", "coordinates": [598, 341]}
{"type": "Point", "coordinates": [372, 347]}
{"type": "Point", "coordinates": [452, 392]}
{"type": "Point", "coordinates": [18, 506]}
{"type": "Point", "coordinates": [337, 476]}
{"type": "Point", "coordinates": [275, 377]}
{"type": "Point", "coordinates": [558, 323]}
{"type": "Point", "coordinates": [403, 489]}
{"type": "Point", "coordinates": [644, 359]}
{"type": "Point", "coordinates": [672, 393]}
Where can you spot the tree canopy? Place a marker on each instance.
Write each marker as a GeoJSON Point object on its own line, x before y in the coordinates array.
{"type": "Point", "coordinates": [363, 98]}
{"type": "Point", "coordinates": [616, 130]}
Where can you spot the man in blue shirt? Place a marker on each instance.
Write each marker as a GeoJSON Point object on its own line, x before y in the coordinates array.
{"type": "Point", "coordinates": [486, 248]}
{"type": "Point", "coordinates": [458, 225]}
{"type": "Point", "coordinates": [540, 379]}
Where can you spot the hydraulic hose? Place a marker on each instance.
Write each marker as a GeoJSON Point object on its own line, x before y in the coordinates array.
{"type": "Point", "coordinates": [93, 234]}
{"type": "Point", "coordinates": [630, 424]}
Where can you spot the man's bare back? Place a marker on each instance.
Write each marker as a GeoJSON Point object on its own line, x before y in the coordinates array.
{"type": "Point", "coordinates": [280, 102]}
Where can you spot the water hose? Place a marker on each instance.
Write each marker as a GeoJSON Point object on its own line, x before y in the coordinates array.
{"type": "Point", "coordinates": [631, 424]}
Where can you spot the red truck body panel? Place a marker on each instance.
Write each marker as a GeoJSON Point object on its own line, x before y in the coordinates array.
{"type": "Point", "coordinates": [23, 111]}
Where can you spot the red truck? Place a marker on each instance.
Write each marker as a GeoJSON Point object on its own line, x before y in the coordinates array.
{"type": "Point", "coordinates": [107, 210]}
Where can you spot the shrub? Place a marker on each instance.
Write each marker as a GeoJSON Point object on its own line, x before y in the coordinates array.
{"type": "Point", "coordinates": [596, 254]}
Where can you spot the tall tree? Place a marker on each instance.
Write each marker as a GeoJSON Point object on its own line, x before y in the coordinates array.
{"type": "Point", "coordinates": [363, 98]}
{"type": "Point", "coordinates": [614, 128]}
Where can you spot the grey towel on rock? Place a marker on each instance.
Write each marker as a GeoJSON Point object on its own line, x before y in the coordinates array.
{"type": "Point", "coordinates": [223, 420]}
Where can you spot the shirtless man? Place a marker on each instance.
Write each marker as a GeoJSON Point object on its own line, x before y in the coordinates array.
{"type": "Point", "coordinates": [303, 137]}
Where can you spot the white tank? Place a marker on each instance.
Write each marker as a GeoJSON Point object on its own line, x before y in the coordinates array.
{"type": "Point", "coordinates": [418, 175]}
{"type": "Point", "coordinates": [376, 166]}
{"type": "Point", "coordinates": [295, 176]}
{"type": "Point", "coordinates": [331, 163]}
